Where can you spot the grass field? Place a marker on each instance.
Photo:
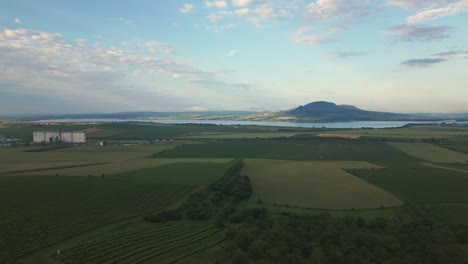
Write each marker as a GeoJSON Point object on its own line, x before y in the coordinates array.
{"type": "Point", "coordinates": [455, 213]}
{"type": "Point", "coordinates": [401, 212]}
{"type": "Point", "coordinates": [320, 185]}
{"type": "Point", "coordinates": [146, 243]}
{"type": "Point", "coordinates": [315, 149]}
{"type": "Point", "coordinates": [431, 152]}
{"type": "Point", "coordinates": [420, 185]}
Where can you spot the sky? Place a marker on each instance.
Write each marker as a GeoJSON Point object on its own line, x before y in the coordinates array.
{"type": "Point", "coordinates": [86, 56]}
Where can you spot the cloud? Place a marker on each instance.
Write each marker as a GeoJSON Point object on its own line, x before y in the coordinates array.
{"type": "Point", "coordinates": [409, 33]}
{"type": "Point", "coordinates": [220, 28]}
{"type": "Point", "coordinates": [263, 12]}
{"type": "Point", "coordinates": [186, 8]}
{"type": "Point", "coordinates": [232, 53]}
{"type": "Point", "coordinates": [453, 54]}
{"type": "Point", "coordinates": [303, 36]}
{"type": "Point", "coordinates": [437, 58]}
{"type": "Point", "coordinates": [243, 3]}
{"type": "Point", "coordinates": [413, 4]}
{"type": "Point", "coordinates": [346, 55]}
{"type": "Point", "coordinates": [47, 63]}
{"type": "Point", "coordinates": [338, 28]}
{"type": "Point", "coordinates": [196, 109]}
{"type": "Point", "coordinates": [214, 18]}
{"type": "Point", "coordinates": [422, 63]}
{"type": "Point", "coordinates": [331, 9]}
{"type": "Point", "coordinates": [430, 9]}
{"type": "Point", "coordinates": [17, 21]}
{"type": "Point", "coordinates": [216, 3]}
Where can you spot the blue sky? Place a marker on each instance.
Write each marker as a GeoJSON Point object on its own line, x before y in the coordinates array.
{"type": "Point", "coordinates": [109, 56]}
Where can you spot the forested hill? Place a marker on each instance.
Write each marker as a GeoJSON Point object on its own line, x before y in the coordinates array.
{"type": "Point", "coordinates": [327, 111]}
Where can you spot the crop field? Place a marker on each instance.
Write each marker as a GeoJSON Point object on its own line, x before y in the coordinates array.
{"type": "Point", "coordinates": [431, 152]}
{"type": "Point", "coordinates": [128, 131]}
{"type": "Point", "coordinates": [91, 204]}
{"type": "Point", "coordinates": [315, 149]}
{"type": "Point", "coordinates": [320, 185]}
{"type": "Point", "coordinates": [420, 185]}
{"type": "Point", "coordinates": [414, 132]}
{"type": "Point", "coordinates": [40, 210]}
{"type": "Point", "coordinates": [147, 243]}
{"type": "Point", "coordinates": [51, 209]}
{"type": "Point", "coordinates": [124, 166]}
{"type": "Point", "coordinates": [240, 135]}
{"type": "Point", "coordinates": [20, 159]}
{"type": "Point", "coordinates": [329, 135]}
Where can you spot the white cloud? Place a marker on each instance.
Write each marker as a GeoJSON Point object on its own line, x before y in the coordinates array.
{"type": "Point", "coordinates": [430, 9]}
{"type": "Point", "coordinates": [330, 9]}
{"type": "Point", "coordinates": [263, 12]}
{"type": "Point", "coordinates": [440, 11]}
{"type": "Point", "coordinates": [220, 28]}
{"type": "Point", "coordinates": [196, 109]}
{"type": "Point", "coordinates": [186, 8]}
{"type": "Point", "coordinates": [91, 74]}
{"type": "Point", "coordinates": [304, 36]}
{"type": "Point", "coordinates": [243, 3]}
{"type": "Point", "coordinates": [214, 18]}
{"type": "Point", "coordinates": [232, 53]}
{"type": "Point", "coordinates": [17, 21]}
{"type": "Point", "coordinates": [216, 3]}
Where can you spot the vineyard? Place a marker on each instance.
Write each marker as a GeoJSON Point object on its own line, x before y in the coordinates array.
{"type": "Point", "coordinates": [147, 243]}
{"type": "Point", "coordinates": [51, 209]}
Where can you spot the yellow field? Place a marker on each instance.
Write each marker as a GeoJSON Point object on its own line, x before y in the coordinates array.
{"type": "Point", "coordinates": [13, 159]}
{"type": "Point", "coordinates": [431, 152]}
{"type": "Point", "coordinates": [348, 136]}
{"type": "Point", "coordinates": [315, 184]}
{"type": "Point", "coordinates": [113, 168]}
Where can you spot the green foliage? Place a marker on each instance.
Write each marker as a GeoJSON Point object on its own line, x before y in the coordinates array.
{"type": "Point", "coordinates": [220, 197]}
{"type": "Point", "coordinates": [325, 239]}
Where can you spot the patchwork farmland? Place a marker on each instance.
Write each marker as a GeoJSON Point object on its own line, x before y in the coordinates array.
{"type": "Point", "coordinates": [183, 201]}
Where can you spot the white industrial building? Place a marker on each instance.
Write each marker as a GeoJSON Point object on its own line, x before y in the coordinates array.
{"type": "Point", "coordinates": [57, 136]}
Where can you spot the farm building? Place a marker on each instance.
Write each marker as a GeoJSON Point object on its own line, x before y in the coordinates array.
{"type": "Point", "coordinates": [57, 136]}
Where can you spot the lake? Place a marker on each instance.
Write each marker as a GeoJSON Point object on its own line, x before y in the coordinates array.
{"type": "Point", "coordinates": [349, 124]}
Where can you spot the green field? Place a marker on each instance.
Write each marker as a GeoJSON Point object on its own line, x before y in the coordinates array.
{"type": "Point", "coordinates": [47, 209]}
{"type": "Point", "coordinates": [321, 185]}
{"type": "Point", "coordinates": [420, 185]}
{"type": "Point", "coordinates": [403, 189]}
{"type": "Point", "coordinates": [431, 152]}
{"type": "Point", "coordinates": [413, 132]}
{"type": "Point", "coordinates": [316, 149]}
{"type": "Point", "coordinates": [146, 243]}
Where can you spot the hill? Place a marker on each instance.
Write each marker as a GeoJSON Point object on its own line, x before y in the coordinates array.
{"type": "Point", "coordinates": [327, 111]}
